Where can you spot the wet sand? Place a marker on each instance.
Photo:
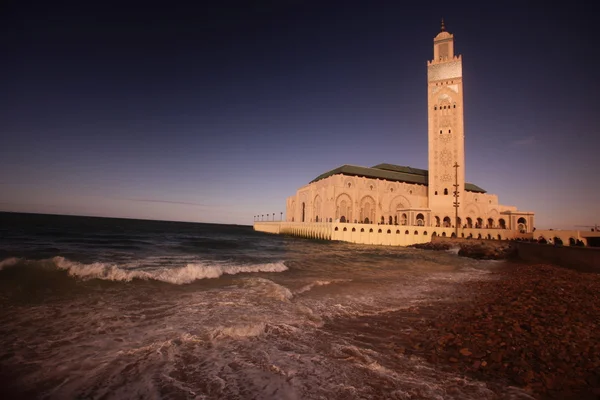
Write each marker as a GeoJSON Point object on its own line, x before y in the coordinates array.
{"type": "Point", "coordinates": [534, 327]}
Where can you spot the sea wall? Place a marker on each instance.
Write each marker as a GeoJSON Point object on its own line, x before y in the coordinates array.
{"type": "Point", "coordinates": [267, 227]}
{"type": "Point", "coordinates": [390, 235]}
{"type": "Point", "coordinates": [575, 257]}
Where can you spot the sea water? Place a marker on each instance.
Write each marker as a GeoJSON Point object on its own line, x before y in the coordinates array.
{"type": "Point", "coordinates": [116, 308]}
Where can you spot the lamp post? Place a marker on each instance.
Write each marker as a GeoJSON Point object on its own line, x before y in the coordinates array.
{"type": "Point", "coordinates": [456, 203]}
{"type": "Point", "coordinates": [281, 216]}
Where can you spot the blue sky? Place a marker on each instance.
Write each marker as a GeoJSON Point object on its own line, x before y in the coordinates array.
{"type": "Point", "coordinates": [218, 112]}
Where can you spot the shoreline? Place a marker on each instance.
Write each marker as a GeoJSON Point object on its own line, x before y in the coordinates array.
{"type": "Point", "coordinates": [532, 326]}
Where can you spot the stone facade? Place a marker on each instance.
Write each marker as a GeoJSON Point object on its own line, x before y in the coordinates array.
{"type": "Point", "coordinates": [352, 198]}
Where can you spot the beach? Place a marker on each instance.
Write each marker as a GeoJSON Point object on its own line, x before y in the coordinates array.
{"type": "Point", "coordinates": [534, 327]}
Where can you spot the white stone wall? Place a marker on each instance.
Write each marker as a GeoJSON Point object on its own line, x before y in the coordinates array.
{"type": "Point", "coordinates": [389, 235]}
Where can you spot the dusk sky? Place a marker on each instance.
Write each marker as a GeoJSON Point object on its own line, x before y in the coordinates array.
{"type": "Point", "coordinates": [218, 111]}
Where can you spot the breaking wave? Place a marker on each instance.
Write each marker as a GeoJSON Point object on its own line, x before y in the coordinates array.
{"type": "Point", "coordinates": [175, 275]}
{"type": "Point", "coordinates": [8, 262]}
{"type": "Point", "coordinates": [308, 287]}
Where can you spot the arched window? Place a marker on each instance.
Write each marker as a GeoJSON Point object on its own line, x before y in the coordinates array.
{"type": "Point", "coordinates": [447, 223]}
{"type": "Point", "coordinates": [420, 219]}
{"type": "Point", "coordinates": [446, 191]}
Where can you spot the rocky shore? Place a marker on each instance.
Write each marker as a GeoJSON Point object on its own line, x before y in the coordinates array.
{"type": "Point", "coordinates": [479, 249]}
{"type": "Point", "coordinates": [536, 327]}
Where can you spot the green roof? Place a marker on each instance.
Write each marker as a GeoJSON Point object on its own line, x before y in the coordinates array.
{"type": "Point", "coordinates": [389, 172]}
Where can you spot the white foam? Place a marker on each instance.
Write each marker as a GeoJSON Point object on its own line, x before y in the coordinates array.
{"type": "Point", "coordinates": [176, 275]}
{"type": "Point", "coordinates": [266, 288]}
{"type": "Point", "coordinates": [308, 287]}
{"type": "Point", "coordinates": [7, 262]}
{"type": "Point", "coordinates": [240, 331]}
{"type": "Point", "coordinates": [453, 250]}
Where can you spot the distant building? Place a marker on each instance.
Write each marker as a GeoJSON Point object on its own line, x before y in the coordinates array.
{"type": "Point", "coordinates": [397, 195]}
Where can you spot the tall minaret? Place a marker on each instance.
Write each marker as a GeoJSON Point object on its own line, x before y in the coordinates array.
{"type": "Point", "coordinates": [445, 124]}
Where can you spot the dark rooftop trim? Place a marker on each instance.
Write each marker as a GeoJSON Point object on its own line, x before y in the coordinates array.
{"type": "Point", "coordinates": [399, 168]}
{"type": "Point", "coordinates": [389, 172]}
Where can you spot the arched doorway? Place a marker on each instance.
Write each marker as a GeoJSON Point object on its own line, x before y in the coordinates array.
{"type": "Point", "coordinates": [469, 222]}
{"type": "Point", "coordinates": [343, 207]}
{"type": "Point", "coordinates": [479, 223]}
{"type": "Point", "coordinates": [490, 223]}
{"type": "Point", "coordinates": [502, 223]}
{"type": "Point", "coordinates": [437, 221]}
{"type": "Point", "coordinates": [420, 220]}
{"type": "Point", "coordinates": [522, 225]}
{"type": "Point", "coordinates": [343, 218]}
{"type": "Point", "coordinates": [447, 223]}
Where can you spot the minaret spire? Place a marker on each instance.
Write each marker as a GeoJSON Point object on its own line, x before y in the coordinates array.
{"type": "Point", "coordinates": [443, 29]}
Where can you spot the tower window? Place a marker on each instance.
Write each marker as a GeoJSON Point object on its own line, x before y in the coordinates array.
{"type": "Point", "coordinates": [445, 191]}
{"type": "Point", "coordinates": [440, 131]}
{"type": "Point", "coordinates": [436, 192]}
{"type": "Point", "coordinates": [449, 130]}
{"type": "Point", "coordinates": [435, 107]}
{"type": "Point", "coordinates": [454, 106]}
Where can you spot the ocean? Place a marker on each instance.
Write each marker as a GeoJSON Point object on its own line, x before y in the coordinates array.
{"type": "Point", "coordinates": [116, 308]}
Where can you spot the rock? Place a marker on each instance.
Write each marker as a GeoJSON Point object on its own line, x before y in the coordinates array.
{"type": "Point", "coordinates": [465, 352]}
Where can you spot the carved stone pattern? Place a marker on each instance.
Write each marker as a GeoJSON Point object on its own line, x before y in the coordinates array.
{"type": "Point", "coordinates": [446, 70]}
{"type": "Point", "coordinates": [445, 157]}
{"type": "Point", "coordinates": [446, 137]}
{"type": "Point", "coordinates": [446, 178]}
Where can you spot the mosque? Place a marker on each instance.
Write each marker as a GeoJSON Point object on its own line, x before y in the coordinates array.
{"type": "Point", "coordinates": [397, 205]}
{"type": "Point", "coordinates": [387, 194]}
